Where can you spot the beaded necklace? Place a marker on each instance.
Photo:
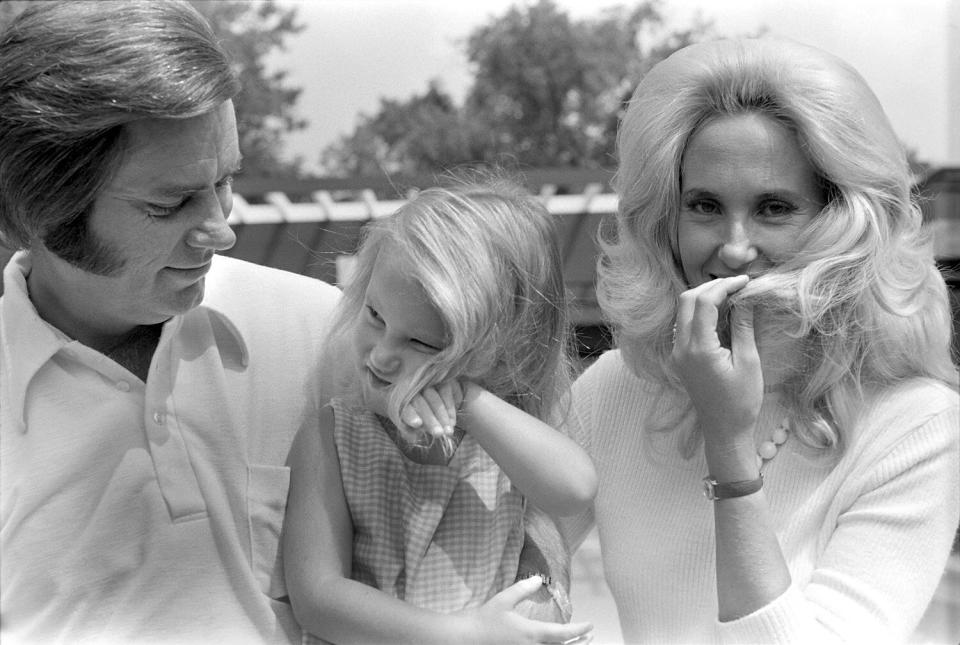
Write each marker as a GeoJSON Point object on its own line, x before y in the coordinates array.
{"type": "Point", "coordinates": [769, 448]}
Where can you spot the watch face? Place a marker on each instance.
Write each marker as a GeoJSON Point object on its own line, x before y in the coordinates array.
{"type": "Point", "coordinates": [708, 491]}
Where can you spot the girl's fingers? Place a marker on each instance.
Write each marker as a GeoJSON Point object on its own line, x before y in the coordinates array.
{"type": "Point", "coordinates": [410, 417]}
{"type": "Point", "coordinates": [451, 396]}
{"type": "Point", "coordinates": [437, 406]}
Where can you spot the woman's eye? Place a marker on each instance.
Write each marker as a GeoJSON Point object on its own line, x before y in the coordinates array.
{"type": "Point", "coordinates": [704, 207]}
{"type": "Point", "coordinates": [776, 209]}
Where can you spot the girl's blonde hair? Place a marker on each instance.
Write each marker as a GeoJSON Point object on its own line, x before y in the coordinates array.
{"type": "Point", "coordinates": [485, 252]}
{"type": "Point", "coordinates": [862, 292]}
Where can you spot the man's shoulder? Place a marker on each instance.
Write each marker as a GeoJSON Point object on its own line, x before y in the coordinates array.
{"type": "Point", "coordinates": [232, 280]}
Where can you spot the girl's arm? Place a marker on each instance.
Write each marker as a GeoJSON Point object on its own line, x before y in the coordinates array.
{"type": "Point", "coordinates": [548, 467]}
{"type": "Point", "coordinates": [317, 552]}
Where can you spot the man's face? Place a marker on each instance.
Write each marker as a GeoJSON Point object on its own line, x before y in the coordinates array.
{"type": "Point", "coordinates": [159, 220]}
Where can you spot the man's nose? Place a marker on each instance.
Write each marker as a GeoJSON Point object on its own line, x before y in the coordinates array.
{"type": "Point", "coordinates": [213, 232]}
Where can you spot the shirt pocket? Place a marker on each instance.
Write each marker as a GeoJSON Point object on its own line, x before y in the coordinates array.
{"type": "Point", "coordinates": [267, 488]}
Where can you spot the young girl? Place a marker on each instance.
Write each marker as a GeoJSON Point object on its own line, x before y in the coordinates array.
{"type": "Point", "coordinates": [413, 489]}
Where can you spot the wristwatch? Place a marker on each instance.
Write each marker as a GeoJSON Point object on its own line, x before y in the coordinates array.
{"type": "Point", "coordinates": [557, 593]}
{"type": "Point", "coordinates": [715, 491]}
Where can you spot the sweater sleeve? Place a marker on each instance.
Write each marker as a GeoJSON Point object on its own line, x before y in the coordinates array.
{"type": "Point", "coordinates": [879, 565]}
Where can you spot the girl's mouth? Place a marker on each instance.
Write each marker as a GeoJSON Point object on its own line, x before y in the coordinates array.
{"type": "Point", "coordinates": [375, 380]}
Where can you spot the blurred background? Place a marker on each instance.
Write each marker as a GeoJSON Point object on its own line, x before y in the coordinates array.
{"type": "Point", "coordinates": [349, 106]}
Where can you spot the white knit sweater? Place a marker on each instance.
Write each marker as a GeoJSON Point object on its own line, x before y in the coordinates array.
{"type": "Point", "coordinates": [865, 536]}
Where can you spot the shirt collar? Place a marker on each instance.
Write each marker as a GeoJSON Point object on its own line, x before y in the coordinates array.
{"type": "Point", "coordinates": [27, 341]}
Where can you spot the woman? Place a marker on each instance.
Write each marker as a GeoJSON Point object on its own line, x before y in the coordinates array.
{"type": "Point", "coordinates": [783, 345]}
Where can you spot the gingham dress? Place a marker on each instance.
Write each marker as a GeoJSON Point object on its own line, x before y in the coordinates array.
{"type": "Point", "coordinates": [440, 537]}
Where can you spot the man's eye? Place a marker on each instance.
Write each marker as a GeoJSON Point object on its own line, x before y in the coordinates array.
{"type": "Point", "coordinates": [160, 211]}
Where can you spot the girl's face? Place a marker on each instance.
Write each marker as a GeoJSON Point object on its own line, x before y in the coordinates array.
{"type": "Point", "coordinates": [746, 192]}
{"type": "Point", "coordinates": [397, 332]}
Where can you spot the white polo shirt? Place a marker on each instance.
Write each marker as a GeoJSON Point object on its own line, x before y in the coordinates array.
{"type": "Point", "coordinates": [151, 512]}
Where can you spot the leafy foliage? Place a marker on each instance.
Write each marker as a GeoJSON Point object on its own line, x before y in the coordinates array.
{"type": "Point", "coordinates": [547, 91]}
{"type": "Point", "coordinates": [250, 31]}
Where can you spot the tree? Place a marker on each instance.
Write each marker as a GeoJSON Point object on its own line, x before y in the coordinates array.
{"type": "Point", "coordinates": [547, 91]}
{"type": "Point", "coordinates": [250, 31]}
{"type": "Point", "coordinates": [409, 137]}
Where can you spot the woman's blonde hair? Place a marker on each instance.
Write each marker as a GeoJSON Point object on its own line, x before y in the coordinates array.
{"type": "Point", "coordinates": [486, 254]}
{"type": "Point", "coordinates": [862, 292]}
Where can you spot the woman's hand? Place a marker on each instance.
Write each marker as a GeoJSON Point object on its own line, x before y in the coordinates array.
{"type": "Point", "coordinates": [725, 385]}
{"type": "Point", "coordinates": [497, 621]}
{"type": "Point", "coordinates": [435, 408]}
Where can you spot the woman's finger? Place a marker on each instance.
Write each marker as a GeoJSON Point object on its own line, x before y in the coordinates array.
{"type": "Point", "coordinates": [743, 342]}
{"type": "Point", "coordinates": [707, 299]}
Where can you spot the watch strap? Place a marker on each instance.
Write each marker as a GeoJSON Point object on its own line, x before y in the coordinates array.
{"type": "Point", "coordinates": [714, 490]}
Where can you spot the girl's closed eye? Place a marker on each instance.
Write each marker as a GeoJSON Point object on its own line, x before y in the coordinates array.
{"type": "Point", "coordinates": [373, 315]}
{"type": "Point", "coordinates": [427, 348]}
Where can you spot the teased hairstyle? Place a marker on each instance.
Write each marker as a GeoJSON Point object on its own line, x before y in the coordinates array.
{"type": "Point", "coordinates": [486, 255]}
{"type": "Point", "coordinates": [862, 292]}
{"type": "Point", "coordinates": [72, 74]}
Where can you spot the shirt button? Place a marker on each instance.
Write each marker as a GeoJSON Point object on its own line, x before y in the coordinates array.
{"type": "Point", "coordinates": [158, 417]}
{"type": "Point", "coordinates": [123, 386]}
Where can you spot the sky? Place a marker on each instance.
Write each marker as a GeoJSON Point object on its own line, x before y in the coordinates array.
{"type": "Point", "coordinates": [354, 52]}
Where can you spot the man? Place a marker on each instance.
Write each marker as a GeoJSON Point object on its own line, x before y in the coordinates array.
{"type": "Point", "coordinates": [149, 390]}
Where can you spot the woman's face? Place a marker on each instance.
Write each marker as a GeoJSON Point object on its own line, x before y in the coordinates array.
{"type": "Point", "coordinates": [746, 191]}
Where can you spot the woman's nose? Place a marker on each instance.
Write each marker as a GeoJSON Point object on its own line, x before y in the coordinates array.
{"type": "Point", "coordinates": [737, 250]}
{"type": "Point", "coordinates": [213, 232]}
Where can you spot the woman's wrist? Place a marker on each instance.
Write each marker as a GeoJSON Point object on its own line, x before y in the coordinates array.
{"type": "Point", "coordinates": [731, 460]}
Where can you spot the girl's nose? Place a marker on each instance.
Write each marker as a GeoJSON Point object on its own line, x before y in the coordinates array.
{"type": "Point", "coordinates": [384, 359]}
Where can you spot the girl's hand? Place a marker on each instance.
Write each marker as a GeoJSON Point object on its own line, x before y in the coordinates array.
{"type": "Point", "coordinates": [435, 409]}
{"type": "Point", "coordinates": [498, 622]}
{"type": "Point", "coordinates": [725, 385]}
